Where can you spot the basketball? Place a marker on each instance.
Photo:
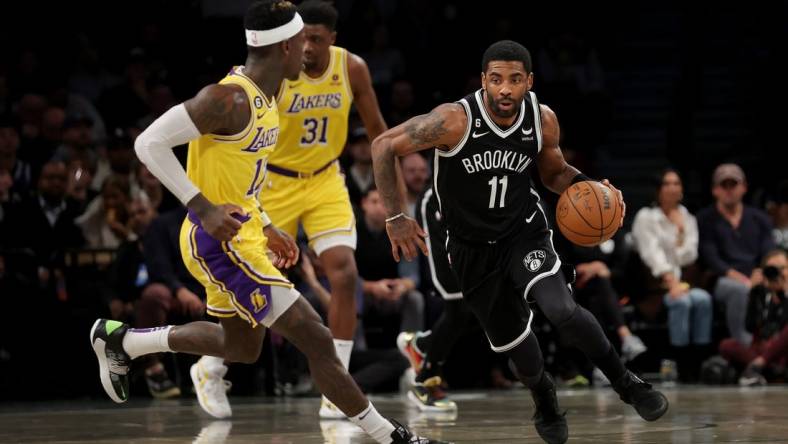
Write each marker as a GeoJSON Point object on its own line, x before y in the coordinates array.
{"type": "Point", "coordinates": [588, 213]}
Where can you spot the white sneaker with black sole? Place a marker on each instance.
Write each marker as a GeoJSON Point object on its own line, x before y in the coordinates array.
{"type": "Point", "coordinates": [106, 338]}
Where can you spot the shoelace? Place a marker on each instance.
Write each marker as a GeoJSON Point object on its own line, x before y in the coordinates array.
{"type": "Point", "coordinates": [117, 363]}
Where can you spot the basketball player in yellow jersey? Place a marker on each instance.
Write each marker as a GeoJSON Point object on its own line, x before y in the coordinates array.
{"type": "Point", "coordinates": [231, 127]}
{"type": "Point", "coordinates": [304, 183]}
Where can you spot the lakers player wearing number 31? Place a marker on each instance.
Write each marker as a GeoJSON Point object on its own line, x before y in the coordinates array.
{"type": "Point", "coordinates": [499, 242]}
{"type": "Point", "coordinates": [304, 184]}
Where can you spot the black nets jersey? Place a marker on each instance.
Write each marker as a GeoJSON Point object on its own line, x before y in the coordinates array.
{"type": "Point", "coordinates": [483, 184]}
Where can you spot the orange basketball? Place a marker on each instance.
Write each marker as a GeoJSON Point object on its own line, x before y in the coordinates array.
{"type": "Point", "coordinates": [588, 213]}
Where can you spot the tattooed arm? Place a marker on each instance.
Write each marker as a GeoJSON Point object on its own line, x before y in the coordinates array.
{"type": "Point", "coordinates": [442, 129]}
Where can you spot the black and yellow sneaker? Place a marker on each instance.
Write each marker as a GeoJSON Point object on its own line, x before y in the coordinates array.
{"type": "Point", "coordinates": [106, 337]}
{"type": "Point", "coordinates": [401, 435]}
{"type": "Point", "coordinates": [429, 396]}
{"type": "Point", "coordinates": [649, 403]}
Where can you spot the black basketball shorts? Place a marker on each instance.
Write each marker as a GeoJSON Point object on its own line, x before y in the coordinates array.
{"type": "Point", "coordinates": [496, 278]}
{"type": "Point", "coordinates": [443, 278]}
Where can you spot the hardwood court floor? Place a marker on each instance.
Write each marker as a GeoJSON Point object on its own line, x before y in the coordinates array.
{"type": "Point", "coordinates": [697, 415]}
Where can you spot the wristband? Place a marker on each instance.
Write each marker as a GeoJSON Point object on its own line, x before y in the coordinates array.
{"type": "Point", "coordinates": [393, 218]}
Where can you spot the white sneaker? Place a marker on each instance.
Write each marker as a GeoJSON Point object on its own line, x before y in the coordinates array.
{"type": "Point", "coordinates": [632, 347]}
{"type": "Point", "coordinates": [329, 411]}
{"type": "Point", "coordinates": [214, 433]}
{"type": "Point", "coordinates": [211, 390]}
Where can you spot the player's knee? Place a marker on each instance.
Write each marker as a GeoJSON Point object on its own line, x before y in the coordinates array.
{"type": "Point", "coordinates": [243, 355]}
{"type": "Point", "coordinates": [340, 265]}
{"type": "Point", "coordinates": [562, 314]}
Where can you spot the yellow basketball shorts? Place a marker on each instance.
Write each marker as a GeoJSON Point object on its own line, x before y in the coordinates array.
{"type": "Point", "coordinates": [238, 276]}
{"type": "Point", "coordinates": [320, 203]}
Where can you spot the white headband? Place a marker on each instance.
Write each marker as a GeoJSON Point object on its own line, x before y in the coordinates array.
{"type": "Point", "coordinates": [278, 34]}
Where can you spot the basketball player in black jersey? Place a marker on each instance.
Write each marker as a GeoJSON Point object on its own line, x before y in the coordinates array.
{"type": "Point", "coordinates": [499, 241]}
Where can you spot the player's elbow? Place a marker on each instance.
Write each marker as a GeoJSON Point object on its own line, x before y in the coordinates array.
{"type": "Point", "coordinates": [381, 147]}
{"type": "Point", "coordinates": [142, 147]}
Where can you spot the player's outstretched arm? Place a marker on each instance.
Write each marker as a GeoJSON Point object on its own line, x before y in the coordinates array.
{"type": "Point", "coordinates": [556, 174]}
{"type": "Point", "coordinates": [442, 129]}
{"type": "Point", "coordinates": [216, 109]}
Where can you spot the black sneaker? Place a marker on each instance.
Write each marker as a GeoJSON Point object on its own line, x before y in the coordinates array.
{"type": "Point", "coordinates": [106, 337]}
{"type": "Point", "coordinates": [549, 421]}
{"type": "Point", "coordinates": [401, 435]}
{"type": "Point", "coordinates": [649, 403]}
{"type": "Point", "coordinates": [160, 385]}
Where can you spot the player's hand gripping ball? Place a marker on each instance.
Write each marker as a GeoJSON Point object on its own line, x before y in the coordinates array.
{"type": "Point", "coordinates": [588, 213]}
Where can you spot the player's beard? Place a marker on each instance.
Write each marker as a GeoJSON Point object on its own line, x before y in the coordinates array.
{"type": "Point", "coordinates": [496, 109]}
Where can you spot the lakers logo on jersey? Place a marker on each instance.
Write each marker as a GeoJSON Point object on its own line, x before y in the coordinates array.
{"type": "Point", "coordinates": [262, 139]}
{"type": "Point", "coordinates": [259, 302]}
{"type": "Point", "coordinates": [300, 102]}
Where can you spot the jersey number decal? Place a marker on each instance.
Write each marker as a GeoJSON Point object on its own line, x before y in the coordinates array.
{"type": "Point", "coordinates": [504, 181]}
{"type": "Point", "coordinates": [313, 127]}
{"type": "Point", "coordinates": [259, 176]}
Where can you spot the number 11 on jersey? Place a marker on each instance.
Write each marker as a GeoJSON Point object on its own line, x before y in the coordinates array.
{"type": "Point", "coordinates": [504, 181]}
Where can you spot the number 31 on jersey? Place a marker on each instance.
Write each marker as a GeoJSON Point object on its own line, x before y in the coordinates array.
{"type": "Point", "coordinates": [314, 131]}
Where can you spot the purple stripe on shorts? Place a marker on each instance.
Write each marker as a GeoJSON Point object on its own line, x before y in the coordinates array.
{"type": "Point", "coordinates": [253, 296]}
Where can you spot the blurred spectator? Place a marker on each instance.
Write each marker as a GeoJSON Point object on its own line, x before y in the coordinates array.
{"type": "Point", "coordinates": [373, 369]}
{"type": "Point", "coordinates": [779, 215]}
{"type": "Point", "coordinates": [45, 223]}
{"type": "Point", "coordinates": [30, 111]}
{"type": "Point", "coordinates": [385, 292]}
{"type": "Point", "coordinates": [666, 238]}
{"type": "Point", "coordinates": [402, 103]}
{"type": "Point", "coordinates": [734, 238]}
{"type": "Point", "coordinates": [81, 171]}
{"type": "Point", "coordinates": [767, 320]}
{"type": "Point", "coordinates": [416, 174]}
{"type": "Point", "coordinates": [160, 197]}
{"type": "Point", "coordinates": [105, 221]}
{"type": "Point", "coordinates": [19, 170]}
{"type": "Point", "coordinates": [76, 105]}
{"type": "Point", "coordinates": [77, 137]}
{"type": "Point", "coordinates": [360, 176]}
{"type": "Point", "coordinates": [120, 154]}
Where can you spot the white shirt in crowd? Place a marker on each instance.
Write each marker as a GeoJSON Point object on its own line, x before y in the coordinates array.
{"type": "Point", "coordinates": [656, 237]}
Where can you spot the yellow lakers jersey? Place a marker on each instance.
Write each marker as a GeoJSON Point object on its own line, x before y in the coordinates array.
{"type": "Point", "coordinates": [313, 115]}
{"type": "Point", "coordinates": [231, 169]}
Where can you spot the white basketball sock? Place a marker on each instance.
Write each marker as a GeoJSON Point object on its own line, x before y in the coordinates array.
{"type": "Point", "coordinates": [378, 427]}
{"type": "Point", "coordinates": [344, 348]}
{"type": "Point", "coordinates": [143, 341]}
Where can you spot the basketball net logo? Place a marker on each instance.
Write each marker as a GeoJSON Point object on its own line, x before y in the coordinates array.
{"type": "Point", "coordinates": [534, 260]}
